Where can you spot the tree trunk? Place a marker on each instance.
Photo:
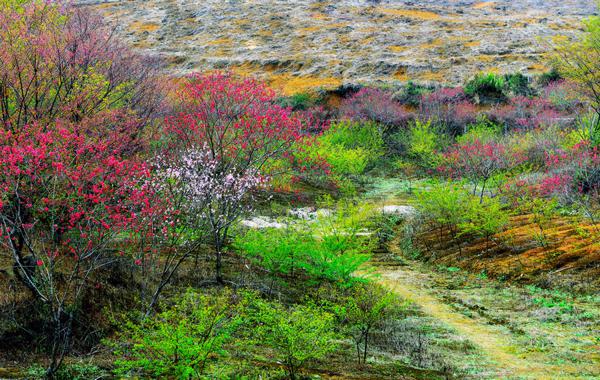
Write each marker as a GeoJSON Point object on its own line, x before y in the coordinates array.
{"type": "Point", "coordinates": [60, 341]}
{"type": "Point", "coordinates": [482, 191]}
{"type": "Point", "coordinates": [219, 267]}
{"type": "Point", "coordinates": [366, 346]}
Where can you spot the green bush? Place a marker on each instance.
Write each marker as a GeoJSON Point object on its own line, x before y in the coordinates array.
{"type": "Point", "coordinates": [443, 203]}
{"type": "Point", "coordinates": [181, 342]}
{"type": "Point", "coordinates": [69, 371]}
{"type": "Point", "coordinates": [450, 205]}
{"type": "Point", "coordinates": [484, 131]}
{"type": "Point", "coordinates": [518, 84]}
{"type": "Point", "coordinates": [298, 102]}
{"type": "Point", "coordinates": [422, 141]}
{"type": "Point", "coordinates": [588, 127]}
{"type": "Point", "coordinates": [296, 335]}
{"type": "Point", "coordinates": [350, 147]}
{"type": "Point", "coordinates": [418, 144]}
{"type": "Point", "coordinates": [299, 254]}
{"type": "Point", "coordinates": [330, 248]}
{"type": "Point", "coordinates": [366, 308]}
{"type": "Point", "coordinates": [486, 87]}
{"type": "Point", "coordinates": [413, 93]}
{"type": "Point", "coordinates": [483, 219]}
{"type": "Point", "coordinates": [548, 77]}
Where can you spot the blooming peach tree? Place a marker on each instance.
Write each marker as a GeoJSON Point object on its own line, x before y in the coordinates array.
{"type": "Point", "coordinates": [229, 139]}
{"type": "Point", "coordinates": [574, 177]}
{"type": "Point", "coordinates": [63, 62]}
{"type": "Point", "coordinates": [74, 105]}
{"type": "Point", "coordinates": [66, 193]}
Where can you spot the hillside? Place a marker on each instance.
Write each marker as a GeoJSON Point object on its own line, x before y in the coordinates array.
{"type": "Point", "coordinates": [302, 44]}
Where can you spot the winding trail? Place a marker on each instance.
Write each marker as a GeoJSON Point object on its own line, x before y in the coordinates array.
{"type": "Point", "coordinates": [495, 341]}
{"type": "Point", "coordinates": [419, 284]}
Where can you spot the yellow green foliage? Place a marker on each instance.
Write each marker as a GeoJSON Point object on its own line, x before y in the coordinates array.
{"type": "Point", "coordinates": [579, 60]}
{"type": "Point", "coordinates": [349, 147]}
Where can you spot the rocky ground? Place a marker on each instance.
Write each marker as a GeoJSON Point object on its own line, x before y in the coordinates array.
{"type": "Point", "coordinates": [299, 44]}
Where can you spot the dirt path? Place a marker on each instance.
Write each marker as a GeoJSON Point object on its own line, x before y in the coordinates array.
{"type": "Point", "coordinates": [496, 343]}
{"type": "Point", "coordinates": [507, 358]}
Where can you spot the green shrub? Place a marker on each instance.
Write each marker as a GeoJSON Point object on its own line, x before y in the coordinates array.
{"type": "Point", "coordinates": [588, 128]}
{"type": "Point", "coordinates": [298, 102]}
{"type": "Point", "coordinates": [347, 161]}
{"type": "Point", "coordinates": [422, 139]}
{"type": "Point", "coordinates": [548, 77]}
{"type": "Point", "coordinates": [296, 335]}
{"type": "Point", "coordinates": [300, 255]}
{"type": "Point", "coordinates": [278, 251]}
{"type": "Point", "coordinates": [486, 87]}
{"type": "Point", "coordinates": [413, 93]}
{"type": "Point", "coordinates": [366, 308]}
{"type": "Point", "coordinates": [451, 206]}
{"type": "Point", "coordinates": [483, 219]}
{"type": "Point", "coordinates": [181, 342]}
{"type": "Point", "coordinates": [443, 203]}
{"type": "Point", "coordinates": [69, 371]}
{"type": "Point", "coordinates": [422, 143]}
{"type": "Point", "coordinates": [518, 84]}
{"type": "Point", "coordinates": [386, 226]}
{"type": "Point", "coordinates": [350, 147]}
{"type": "Point", "coordinates": [484, 131]}
{"type": "Point", "coordinates": [330, 248]}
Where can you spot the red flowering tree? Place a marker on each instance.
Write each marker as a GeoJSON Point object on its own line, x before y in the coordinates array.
{"type": "Point", "coordinates": [66, 192]}
{"type": "Point", "coordinates": [572, 178]}
{"type": "Point", "coordinates": [74, 103]}
{"type": "Point", "coordinates": [450, 108]}
{"type": "Point", "coordinates": [526, 113]}
{"type": "Point", "coordinates": [478, 162]}
{"type": "Point", "coordinates": [229, 138]}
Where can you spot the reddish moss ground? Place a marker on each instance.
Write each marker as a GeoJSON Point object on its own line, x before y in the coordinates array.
{"type": "Point", "coordinates": [569, 256]}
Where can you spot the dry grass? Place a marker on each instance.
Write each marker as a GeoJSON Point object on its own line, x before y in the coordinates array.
{"type": "Point", "coordinates": [472, 44]}
{"type": "Point", "coordinates": [398, 49]}
{"type": "Point", "coordinates": [289, 84]}
{"type": "Point", "coordinates": [484, 4]}
{"type": "Point", "coordinates": [220, 42]}
{"type": "Point", "coordinates": [286, 83]}
{"type": "Point", "coordinates": [402, 75]}
{"type": "Point", "coordinates": [411, 13]}
{"type": "Point", "coordinates": [141, 27]}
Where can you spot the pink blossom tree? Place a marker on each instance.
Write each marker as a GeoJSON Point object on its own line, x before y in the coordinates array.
{"type": "Point", "coordinates": [527, 113]}
{"type": "Point", "coordinates": [375, 105]}
{"type": "Point", "coordinates": [450, 108]}
{"type": "Point", "coordinates": [229, 139]}
{"type": "Point", "coordinates": [74, 107]}
{"type": "Point", "coordinates": [574, 177]}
